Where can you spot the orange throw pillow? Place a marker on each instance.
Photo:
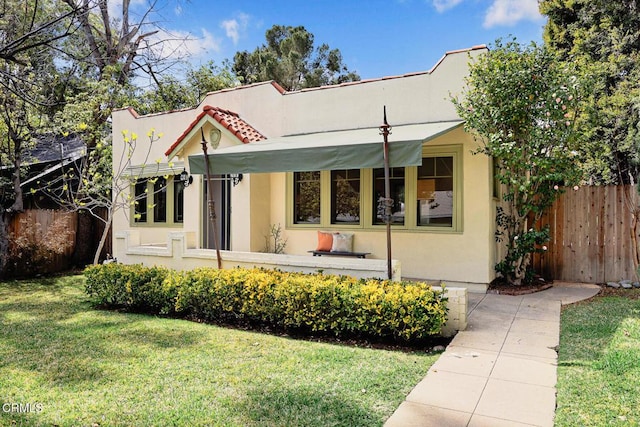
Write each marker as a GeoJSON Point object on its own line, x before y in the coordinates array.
{"type": "Point", "coordinates": [325, 241]}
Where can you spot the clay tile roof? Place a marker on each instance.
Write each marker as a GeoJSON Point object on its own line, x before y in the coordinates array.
{"type": "Point", "coordinates": [229, 120]}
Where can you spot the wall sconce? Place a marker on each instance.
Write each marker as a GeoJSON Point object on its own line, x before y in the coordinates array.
{"type": "Point", "coordinates": [185, 178]}
{"type": "Point", "coordinates": [235, 178]}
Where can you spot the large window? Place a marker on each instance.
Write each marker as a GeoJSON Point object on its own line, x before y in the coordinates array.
{"type": "Point", "coordinates": [306, 191]}
{"type": "Point", "coordinates": [345, 196]}
{"type": "Point", "coordinates": [435, 190]}
{"type": "Point", "coordinates": [167, 196]}
{"type": "Point", "coordinates": [423, 198]}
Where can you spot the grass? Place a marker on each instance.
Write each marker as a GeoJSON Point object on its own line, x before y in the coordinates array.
{"type": "Point", "coordinates": [599, 362]}
{"type": "Point", "coordinates": [77, 366]}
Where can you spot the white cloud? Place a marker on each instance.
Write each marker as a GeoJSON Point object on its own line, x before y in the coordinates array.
{"type": "Point", "coordinates": [115, 7]}
{"type": "Point", "coordinates": [442, 5]}
{"type": "Point", "coordinates": [510, 12]}
{"type": "Point", "coordinates": [180, 44]}
{"type": "Point", "coordinates": [234, 28]}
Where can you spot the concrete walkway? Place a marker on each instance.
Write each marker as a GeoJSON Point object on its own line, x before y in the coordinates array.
{"type": "Point", "coordinates": [501, 370]}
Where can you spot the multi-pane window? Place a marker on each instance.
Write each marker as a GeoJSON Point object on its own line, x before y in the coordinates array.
{"type": "Point", "coordinates": [158, 200]}
{"type": "Point", "coordinates": [435, 198]}
{"type": "Point", "coordinates": [345, 196]}
{"type": "Point", "coordinates": [306, 193]}
{"type": "Point", "coordinates": [397, 186]}
{"type": "Point", "coordinates": [421, 198]}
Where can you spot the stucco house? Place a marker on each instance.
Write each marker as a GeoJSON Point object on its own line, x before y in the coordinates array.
{"type": "Point", "coordinates": [311, 161]}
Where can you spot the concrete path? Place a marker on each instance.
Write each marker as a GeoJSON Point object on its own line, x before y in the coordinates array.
{"type": "Point", "coordinates": [501, 370]}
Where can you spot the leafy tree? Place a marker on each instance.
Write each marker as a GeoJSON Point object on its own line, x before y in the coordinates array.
{"type": "Point", "coordinates": [106, 55]}
{"type": "Point", "coordinates": [521, 104]}
{"type": "Point", "coordinates": [170, 93]}
{"type": "Point", "coordinates": [289, 58]}
{"type": "Point", "coordinates": [602, 39]}
{"type": "Point", "coordinates": [31, 31]}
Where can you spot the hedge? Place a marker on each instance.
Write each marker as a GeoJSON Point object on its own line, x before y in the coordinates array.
{"type": "Point", "coordinates": [338, 305]}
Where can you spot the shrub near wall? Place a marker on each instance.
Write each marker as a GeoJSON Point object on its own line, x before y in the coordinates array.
{"type": "Point", "coordinates": [337, 305]}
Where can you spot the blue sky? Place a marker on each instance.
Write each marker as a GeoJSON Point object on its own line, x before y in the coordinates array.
{"type": "Point", "coordinates": [377, 38]}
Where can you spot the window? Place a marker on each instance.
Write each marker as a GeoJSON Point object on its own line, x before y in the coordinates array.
{"type": "Point", "coordinates": [424, 198]}
{"type": "Point", "coordinates": [140, 201]}
{"type": "Point", "coordinates": [345, 196]}
{"type": "Point", "coordinates": [178, 201]}
{"type": "Point", "coordinates": [435, 190]}
{"type": "Point", "coordinates": [306, 190]}
{"type": "Point", "coordinates": [160, 200]}
{"type": "Point", "coordinates": [167, 193]}
{"type": "Point", "coordinates": [396, 180]}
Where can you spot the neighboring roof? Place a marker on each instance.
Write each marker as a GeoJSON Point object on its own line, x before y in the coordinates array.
{"type": "Point", "coordinates": [51, 148]}
{"type": "Point", "coordinates": [346, 149]}
{"type": "Point", "coordinates": [228, 119]}
{"type": "Point", "coordinates": [57, 151]}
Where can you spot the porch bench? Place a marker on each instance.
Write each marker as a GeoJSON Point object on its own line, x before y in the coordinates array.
{"type": "Point", "coordinates": [347, 254]}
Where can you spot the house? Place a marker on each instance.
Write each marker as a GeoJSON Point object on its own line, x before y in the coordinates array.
{"type": "Point", "coordinates": [311, 161]}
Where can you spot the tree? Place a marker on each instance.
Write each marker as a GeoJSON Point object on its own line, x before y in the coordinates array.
{"type": "Point", "coordinates": [521, 104]}
{"type": "Point", "coordinates": [101, 186]}
{"type": "Point", "coordinates": [106, 56]}
{"type": "Point", "coordinates": [170, 93]}
{"type": "Point", "coordinates": [31, 33]}
{"type": "Point", "coordinates": [602, 39]}
{"type": "Point", "coordinates": [289, 58]}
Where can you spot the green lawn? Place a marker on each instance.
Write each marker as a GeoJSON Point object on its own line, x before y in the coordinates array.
{"type": "Point", "coordinates": [77, 366]}
{"type": "Point", "coordinates": [599, 362]}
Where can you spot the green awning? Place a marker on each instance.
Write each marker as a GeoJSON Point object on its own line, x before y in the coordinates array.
{"type": "Point", "coordinates": [348, 149]}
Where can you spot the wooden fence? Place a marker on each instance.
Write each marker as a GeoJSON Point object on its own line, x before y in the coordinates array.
{"type": "Point", "coordinates": [74, 237]}
{"type": "Point", "coordinates": [592, 235]}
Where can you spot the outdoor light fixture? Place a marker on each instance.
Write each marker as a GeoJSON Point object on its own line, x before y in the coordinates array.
{"type": "Point", "coordinates": [185, 178]}
{"type": "Point", "coordinates": [235, 178]}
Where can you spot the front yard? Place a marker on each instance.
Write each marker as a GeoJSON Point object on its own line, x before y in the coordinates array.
{"type": "Point", "coordinates": [64, 363]}
{"type": "Point", "coordinates": [599, 362]}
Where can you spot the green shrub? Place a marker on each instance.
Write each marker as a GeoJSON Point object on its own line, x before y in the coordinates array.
{"type": "Point", "coordinates": [337, 305]}
{"type": "Point", "coordinates": [133, 287]}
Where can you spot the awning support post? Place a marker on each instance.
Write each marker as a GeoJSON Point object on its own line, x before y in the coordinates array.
{"type": "Point", "coordinates": [385, 130]}
{"type": "Point", "coordinates": [210, 202]}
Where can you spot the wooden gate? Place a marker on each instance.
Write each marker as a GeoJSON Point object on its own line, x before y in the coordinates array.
{"type": "Point", "coordinates": [592, 235]}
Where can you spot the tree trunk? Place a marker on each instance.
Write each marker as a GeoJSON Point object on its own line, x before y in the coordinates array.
{"type": "Point", "coordinates": [5, 217]}
{"type": "Point", "coordinates": [103, 239]}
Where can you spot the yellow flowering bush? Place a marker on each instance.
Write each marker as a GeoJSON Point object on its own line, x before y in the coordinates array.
{"type": "Point", "coordinates": [337, 305]}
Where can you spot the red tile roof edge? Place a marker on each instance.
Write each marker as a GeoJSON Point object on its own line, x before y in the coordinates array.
{"type": "Point", "coordinates": [218, 115]}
